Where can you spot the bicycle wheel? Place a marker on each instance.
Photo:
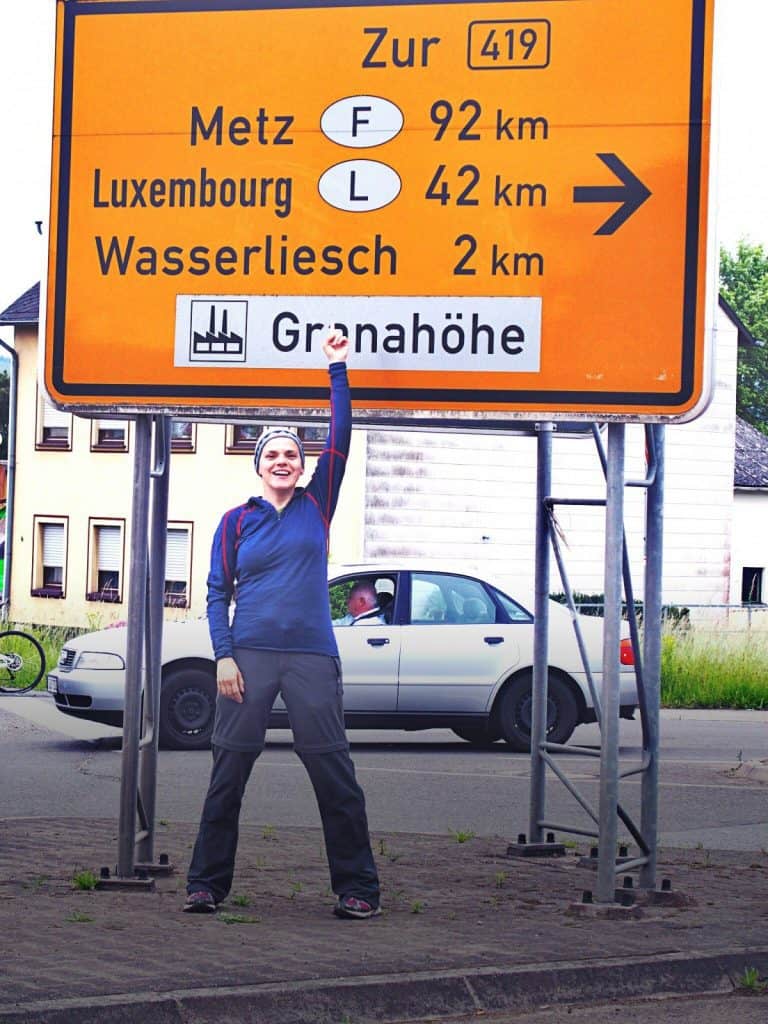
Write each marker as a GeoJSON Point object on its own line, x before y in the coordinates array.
{"type": "Point", "coordinates": [22, 662]}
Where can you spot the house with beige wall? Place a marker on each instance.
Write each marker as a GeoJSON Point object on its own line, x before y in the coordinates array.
{"type": "Point", "coordinates": [74, 486]}
{"type": "Point", "coordinates": [464, 498]}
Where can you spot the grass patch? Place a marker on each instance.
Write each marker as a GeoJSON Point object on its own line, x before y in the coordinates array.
{"type": "Point", "coordinates": [36, 883]}
{"type": "Point", "coordinates": [51, 639]}
{"type": "Point", "coordinates": [700, 669]}
{"type": "Point", "coordinates": [750, 981]}
{"type": "Point", "coordinates": [462, 835]}
{"type": "Point", "coordinates": [86, 880]}
{"type": "Point", "coordinates": [77, 917]}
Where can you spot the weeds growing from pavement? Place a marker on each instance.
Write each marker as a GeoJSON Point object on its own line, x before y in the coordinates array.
{"type": "Point", "coordinates": [36, 883]}
{"type": "Point", "coordinates": [417, 906]}
{"type": "Point", "coordinates": [238, 919]}
{"type": "Point", "coordinates": [77, 917]}
{"type": "Point", "coordinates": [241, 900]}
{"type": "Point", "coordinates": [750, 981]}
{"type": "Point", "coordinates": [85, 880]}
{"type": "Point", "coordinates": [462, 836]}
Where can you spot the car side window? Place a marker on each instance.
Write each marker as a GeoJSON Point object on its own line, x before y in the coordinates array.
{"type": "Point", "coordinates": [471, 602]}
{"type": "Point", "coordinates": [428, 605]}
{"type": "Point", "coordinates": [362, 600]}
{"type": "Point", "coordinates": [450, 599]}
{"type": "Point", "coordinates": [512, 608]}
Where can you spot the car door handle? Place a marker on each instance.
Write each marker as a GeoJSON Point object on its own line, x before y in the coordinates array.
{"type": "Point", "coordinates": [491, 640]}
{"type": "Point", "coordinates": [378, 641]}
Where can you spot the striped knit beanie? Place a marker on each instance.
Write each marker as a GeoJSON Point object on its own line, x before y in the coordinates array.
{"type": "Point", "coordinates": [269, 435]}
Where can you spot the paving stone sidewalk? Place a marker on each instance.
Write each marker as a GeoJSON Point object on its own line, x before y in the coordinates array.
{"type": "Point", "coordinates": [465, 928]}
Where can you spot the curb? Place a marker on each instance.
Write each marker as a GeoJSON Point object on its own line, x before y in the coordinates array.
{"type": "Point", "coordinates": [387, 998]}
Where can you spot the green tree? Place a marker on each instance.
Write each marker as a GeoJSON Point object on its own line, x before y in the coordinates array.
{"type": "Point", "coordinates": [744, 283]}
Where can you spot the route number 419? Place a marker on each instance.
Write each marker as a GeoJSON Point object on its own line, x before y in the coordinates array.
{"type": "Point", "coordinates": [500, 45]}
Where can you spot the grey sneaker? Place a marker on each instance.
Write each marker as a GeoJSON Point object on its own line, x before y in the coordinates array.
{"type": "Point", "coordinates": [351, 906]}
{"type": "Point", "coordinates": [200, 902]}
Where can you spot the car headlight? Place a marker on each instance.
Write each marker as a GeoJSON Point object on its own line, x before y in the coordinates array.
{"type": "Point", "coordinates": [99, 660]}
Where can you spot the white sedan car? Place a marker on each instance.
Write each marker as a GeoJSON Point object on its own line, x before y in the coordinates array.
{"type": "Point", "coordinates": [452, 651]}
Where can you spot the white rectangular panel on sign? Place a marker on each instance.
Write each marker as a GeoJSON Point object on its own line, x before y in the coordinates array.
{"type": "Point", "coordinates": [400, 334]}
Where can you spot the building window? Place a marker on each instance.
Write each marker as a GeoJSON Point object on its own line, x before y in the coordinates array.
{"type": "Point", "coordinates": [183, 436]}
{"type": "Point", "coordinates": [49, 558]}
{"type": "Point", "coordinates": [177, 566]}
{"type": "Point", "coordinates": [242, 438]}
{"type": "Point", "coordinates": [105, 561]}
{"type": "Point", "coordinates": [109, 436]}
{"type": "Point", "coordinates": [751, 585]}
{"type": "Point", "coordinates": [313, 439]}
{"type": "Point", "coordinates": [54, 427]}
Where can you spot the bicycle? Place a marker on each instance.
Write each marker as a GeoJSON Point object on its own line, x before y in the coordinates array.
{"type": "Point", "coordinates": [22, 662]}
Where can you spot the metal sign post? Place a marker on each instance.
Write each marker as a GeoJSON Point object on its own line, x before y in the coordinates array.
{"type": "Point", "coordinates": [647, 668]}
{"type": "Point", "coordinates": [158, 542]}
{"type": "Point", "coordinates": [609, 743]}
{"type": "Point", "coordinates": [134, 661]}
{"type": "Point", "coordinates": [541, 632]}
{"type": "Point", "coordinates": [138, 780]}
{"type": "Point", "coordinates": [652, 624]}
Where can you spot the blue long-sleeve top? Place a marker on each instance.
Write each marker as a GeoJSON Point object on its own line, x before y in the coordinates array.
{"type": "Point", "coordinates": [274, 564]}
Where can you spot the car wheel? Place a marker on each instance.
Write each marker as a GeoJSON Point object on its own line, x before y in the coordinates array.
{"type": "Point", "coordinates": [187, 708]}
{"type": "Point", "coordinates": [516, 709]}
{"type": "Point", "coordinates": [477, 735]}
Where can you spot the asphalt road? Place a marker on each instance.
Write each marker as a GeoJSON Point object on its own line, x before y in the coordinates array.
{"type": "Point", "coordinates": [712, 786]}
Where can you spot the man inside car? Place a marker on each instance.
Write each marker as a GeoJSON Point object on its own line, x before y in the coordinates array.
{"type": "Point", "coordinates": [362, 605]}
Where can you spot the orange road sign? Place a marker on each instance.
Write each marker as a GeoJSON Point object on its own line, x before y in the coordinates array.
{"type": "Point", "coordinates": [504, 205]}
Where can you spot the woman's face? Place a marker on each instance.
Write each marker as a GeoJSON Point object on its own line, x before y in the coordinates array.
{"type": "Point", "coordinates": [280, 464]}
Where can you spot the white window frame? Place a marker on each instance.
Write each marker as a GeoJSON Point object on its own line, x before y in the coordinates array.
{"type": "Point", "coordinates": [182, 566]}
{"type": "Point", "coordinates": [111, 444]}
{"type": "Point", "coordinates": [49, 417]}
{"type": "Point", "coordinates": [180, 445]}
{"type": "Point", "coordinates": [39, 588]}
{"type": "Point", "coordinates": [96, 558]}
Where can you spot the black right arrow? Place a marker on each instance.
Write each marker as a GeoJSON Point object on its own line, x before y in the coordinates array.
{"type": "Point", "coordinates": [632, 193]}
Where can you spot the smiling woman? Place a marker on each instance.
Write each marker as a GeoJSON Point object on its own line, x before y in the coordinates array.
{"type": "Point", "coordinates": [281, 641]}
